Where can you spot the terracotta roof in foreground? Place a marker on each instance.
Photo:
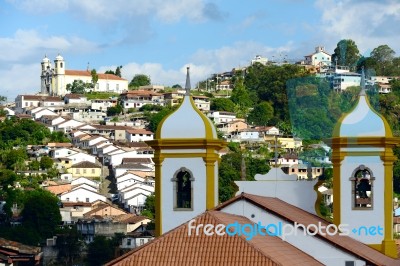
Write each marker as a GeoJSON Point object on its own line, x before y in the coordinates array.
{"type": "Point", "coordinates": [294, 214]}
{"type": "Point", "coordinates": [176, 247]}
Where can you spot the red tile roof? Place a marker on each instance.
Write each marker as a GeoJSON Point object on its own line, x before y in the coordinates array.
{"type": "Point", "coordinates": [294, 214]}
{"type": "Point", "coordinates": [42, 98]}
{"type": "Point", "coordinates": [176, 247]}
{"type": "Point", "coordinates": [87, 74]}
{"type": "Point", "coordinates": [59, 189]}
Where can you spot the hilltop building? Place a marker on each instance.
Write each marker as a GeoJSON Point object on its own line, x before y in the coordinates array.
{"type": "Point", "coordinates": [54, 80]}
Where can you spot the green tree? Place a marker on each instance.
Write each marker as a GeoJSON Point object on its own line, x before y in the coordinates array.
{"type": "Point", "coordinates": [155, 118]}
{"type": "Point", "coordinates": [150, 207]}
{"type": "Point", "coordinates": [139, 80]}
{"type": "Point", "coordinates": [3, 99]}
{"type": "Point", "coordinates": [346, 53]}
{"type": "Point", "coordinates": [15, 159]}
{"type": "Point", "coordinates": [69, 244]}
{"type": "Point", "coordinates": [118, 71]}
{"type": "Point", "coordinates": [176, 86]}
{"type": "Point", "coordinates": [261, 114]}
{"type": "Point", "coordinates": [222, 104]}
{"type": "Point", "coordinates": [114, 110]}
{"type": "Point", "coordinates": [79, 87]}
{"type": "Point", "coordinates": [384, 56]}
{"type": "Point", "coordinates": [100, 251]}
{"type": "Point", "coordinates": [34, 165]}
{"type": "Point", "coordinates": [150, 107]}
{"type": "Point", "coordinates": [95, 77]}
{"type": "Point", "coordinates": [7, 178]}
{"type": "Point", "coordinates": [46, 162]}
{"type": "Point", "coordinates": [41, 212]}
{"type": "Point", "coordinates": [230, 168]}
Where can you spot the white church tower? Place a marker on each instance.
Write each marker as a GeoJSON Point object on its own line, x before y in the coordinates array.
{"type": "Point", "coordinates": [363, 175]}
{"type": "Point", "coordinates": [59, 76]}
{"type": "Point", "coordinates": [46, 76]}
{"type": "Point", "coordinates": [186, 160]}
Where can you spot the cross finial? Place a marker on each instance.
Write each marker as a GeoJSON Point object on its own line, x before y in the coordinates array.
{"type": "Point", "coordinates": [187, 86]}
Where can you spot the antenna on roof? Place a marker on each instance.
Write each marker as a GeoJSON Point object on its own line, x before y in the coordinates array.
{"type": "Point", "coordinates": [187, 86]}
{"type": "Point", "coordinates": [88, 66]}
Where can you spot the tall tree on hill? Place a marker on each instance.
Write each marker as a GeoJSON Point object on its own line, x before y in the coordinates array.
{"type": "Point", "coordinates": [95, 77]}
{"type": "Point", "coordinates": [118, 71]}
{"type": "Point", "coordinates": [140, 80]}
{"type": "Point", "coordinates": [261, 114]}
{"type": "Point", "coordinates": [41, 212]}
{"type": "Point", "coordinates": [384, 56]}
{"type": "Point", "coordinates": [346, 53]}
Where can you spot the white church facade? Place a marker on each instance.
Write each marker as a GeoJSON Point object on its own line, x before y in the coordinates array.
{"type": "Point", "coordinates": [54, 80]}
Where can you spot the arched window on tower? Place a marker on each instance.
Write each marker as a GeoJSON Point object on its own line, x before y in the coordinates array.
{"type": "Point", "coordinates": [182, 187]}
{"type": "Point", "coordinates": [362, 187]}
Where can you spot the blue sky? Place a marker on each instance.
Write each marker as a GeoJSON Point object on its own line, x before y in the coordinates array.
{"type": "Point", "coordinates": [160, 38]}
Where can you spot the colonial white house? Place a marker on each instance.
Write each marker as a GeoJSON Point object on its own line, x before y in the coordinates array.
{"type": "Point", "coordinates": [25, 102]}
{"type": "Point", "coordinates": [38, 112]}
{"type": "Point", "coordinates": [138, 98]}
{"type": "Point", "coordinates": [134, 196]}
{"type": "Point", "coordinates": [341, 81]}
{"type": "Point", "coordinates": [89, 115]}
{"type": "Point", "coordinates": [220, 117]}
{"type": "Point", "coordinates": [319, 58]}
{"type": "Point", "coordinates": [248, 134]}
{"type": "Point", "coordinates": [54, 80]}
{"type": "Point", "coordinates": [76, 99]}
{"type": "Point", "coordinates": [116, 157]}
{"type": "Point", "coordinates": [81, 194]}
{"type": "Point", "coordinates": [68, 125]}
{"type": "Point", "coordinates": [137, 135]}
{"type": "Point", "coordinates": [127, 179]}
{"type": "Point", "coordinates": [81, 157]}
{"type": "Point", "coordinates": [259, 59]}
{"type": "Point", "coordinates": [103, 104]}
{"type": "Point", "coordinates": [87, 143]}
{"type": "Point", "coordinates": [84, 180]}
{"type": "Point", "coordinates": [62, 152]}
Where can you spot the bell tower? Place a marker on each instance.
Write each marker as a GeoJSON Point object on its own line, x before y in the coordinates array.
{"type": "Point", "coordinates": [46, 76]}
{"type": "Point", "coordinates": [363, 175]}
{"type": "Point", "coordinates": [186, 165]}
{"type": "Point", "coordinates": [59, 76]}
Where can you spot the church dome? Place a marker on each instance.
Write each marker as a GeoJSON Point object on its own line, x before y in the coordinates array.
{"type": "Point", "coordinates": [59, 57]}
{"type": "Point", "coordinates": [364, 121]}
{"type": "Point", "coordinates": [45, 59]}
{"type": "Point", "coordinates": [187, 121]}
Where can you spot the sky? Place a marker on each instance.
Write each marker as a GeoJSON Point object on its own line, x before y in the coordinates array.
{"type": "Point", "coordinates": [160, 38]}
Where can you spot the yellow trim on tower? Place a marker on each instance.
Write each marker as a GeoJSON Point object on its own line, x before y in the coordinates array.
{"type": "Point", "coordinates": [210, 156]}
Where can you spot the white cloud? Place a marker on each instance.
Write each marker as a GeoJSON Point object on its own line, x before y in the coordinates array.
{"type": "Point", "coordinates": [101, 11]}
{"type": "Point", "coordinates": [368, 23]}
{"type": "Point", "coordinates": [28, 44]}
{"type": "Point", "coordinates": [19, 79]}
